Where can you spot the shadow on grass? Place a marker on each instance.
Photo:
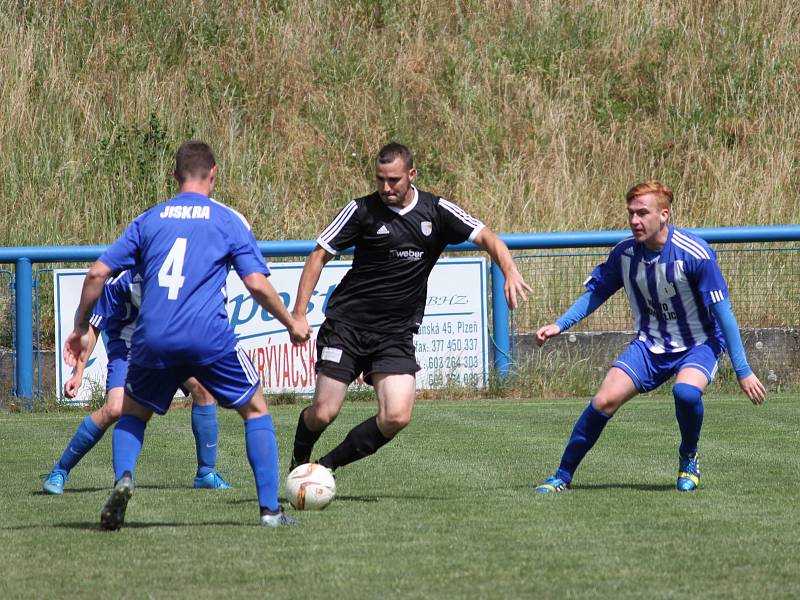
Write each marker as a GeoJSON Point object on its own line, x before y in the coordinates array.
{"type": "Point", "coordinates": [364, 499]}
{"type": "Point", "coordinates": [360, 498]}
{"type": "Point", "coordinates": [90, 490]}
{"type": "Point", "coordinates": [154, 524]}
{"type": "Point", "coordinates": [69, 491]}
{"type": "Point", "coordinates": [96, 526]}
{"type": "Point", "coordinates": [642, 487]}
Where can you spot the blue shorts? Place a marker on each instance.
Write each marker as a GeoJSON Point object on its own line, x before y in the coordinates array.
{"type": "Point", "coordinates": [649, 370]}
{"type": "Point", "coordinates": [117, 373]}
{"type": "Point", "coordinates": [232, 380]}
{"type": "Point", "coordinates": [117, 369]}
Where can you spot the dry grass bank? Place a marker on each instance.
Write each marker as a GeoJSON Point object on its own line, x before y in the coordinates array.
{"type": "Point", "coordinates": [533, 115]}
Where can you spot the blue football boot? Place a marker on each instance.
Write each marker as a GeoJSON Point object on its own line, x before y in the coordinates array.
{"type": "Point", "coordinates": [688, 474]}
{"type": "Point", "coordinates": [54, 482]}
{"type": "Point", "coordinates": [551, 485]}
{"type": "Point", "coordinates": [211, 481]}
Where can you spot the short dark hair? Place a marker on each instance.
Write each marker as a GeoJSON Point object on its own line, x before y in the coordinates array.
{"type": "Point", "coordinates": [394, 150]}
{"type": "Point", "coordinates": [193, 160]}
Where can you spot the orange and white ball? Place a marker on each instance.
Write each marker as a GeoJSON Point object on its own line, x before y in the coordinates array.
{"type": "Point", "coordinates": [310, 487]}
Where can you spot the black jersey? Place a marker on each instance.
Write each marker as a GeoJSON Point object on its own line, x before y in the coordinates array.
{"type": "Point", "coordinates": [395, 250]}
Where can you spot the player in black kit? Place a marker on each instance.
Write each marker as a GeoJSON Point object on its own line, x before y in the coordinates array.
{"type": "Point", "coordinates": [399, 233]}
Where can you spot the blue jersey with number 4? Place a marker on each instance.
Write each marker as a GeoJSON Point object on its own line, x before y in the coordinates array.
{"type": "Point", "coordinates": [670, 291]}
{"type": "Point", "coordinates": [184, 248]}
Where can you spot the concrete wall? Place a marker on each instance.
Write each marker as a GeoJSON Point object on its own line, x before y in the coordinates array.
{"type": "Point", "coordinates": [774, 354]}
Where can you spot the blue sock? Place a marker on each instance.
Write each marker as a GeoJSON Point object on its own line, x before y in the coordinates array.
{"type": "Point", "coordinates": [206, 436]}
{"type": "Point", "coordinates": [689, 412]}
{"type": "Point", "coordinates": [262, 452]}
{"type": "Point", "coordinates": [587, 429]}
{"type": "Point", "coordinates": [127, 444]}
{"type": "Point", "coordinates": [86, 436]}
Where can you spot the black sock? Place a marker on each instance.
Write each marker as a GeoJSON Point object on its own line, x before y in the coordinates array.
{"type": "Point", "coordinates": [364, 439]}
{"type": "Point", "coordinates": [304, 440]}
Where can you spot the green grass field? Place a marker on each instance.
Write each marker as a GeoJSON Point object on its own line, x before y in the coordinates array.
{"type": "Point", "coordinates": [445, 511]}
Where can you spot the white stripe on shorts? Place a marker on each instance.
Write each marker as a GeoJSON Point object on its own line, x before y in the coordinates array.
{"type": "Point", "coordinates": [247, 365]}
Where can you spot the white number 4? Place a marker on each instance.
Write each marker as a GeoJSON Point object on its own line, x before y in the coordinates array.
{"type": "Point", "coordinates": [170, 275]}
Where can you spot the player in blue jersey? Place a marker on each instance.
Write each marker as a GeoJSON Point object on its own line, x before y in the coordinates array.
{"type": "Point", "coordinates": [684, 319]}
{"type": "Point", "coordinates": [183, 248]}
{"type": "Point", "coordinates": [115, 315]}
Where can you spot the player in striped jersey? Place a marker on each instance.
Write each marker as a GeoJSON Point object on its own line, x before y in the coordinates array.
{"type": "Point", "coordinates": [680, 306]}
{"type": "Point", "coordinates": [115, 316]}
{"type": "Point", "coordinates": [398, 232]}
{"type": "Point", "coordinates": [183, 248]}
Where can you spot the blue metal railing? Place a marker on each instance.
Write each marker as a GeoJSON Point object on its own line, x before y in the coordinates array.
{"type": "Point", "coordinates": [24, 308]}
{"type": "Point", "coordinates": [24, 256]}
{"type": "Point", "coordinates": [7, 295]}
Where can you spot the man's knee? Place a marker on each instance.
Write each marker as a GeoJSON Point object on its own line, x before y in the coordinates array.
{"type": "Point", "coordinates": [396, 395]}
{"type": "Point", "coordinates": [617, 388]}
{"type": "Point", "coordinates": [319, 416]}
{"type": "Point", "coordinates": [606, 404]}
{"type": "Point", "coordinates": [329, 396]}
{"type": "Point", "coordinates": [111, 412]}
{"type": "Point", "coordinates": [392, 424]}
{"type": "Point", "coordinates": [255, 407]}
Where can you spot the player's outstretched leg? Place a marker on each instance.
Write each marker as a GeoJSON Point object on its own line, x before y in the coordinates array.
{"type": "Point", "coordinates": [85, 438]}
{"type": "Point", "coordinates": [363, 440]}
{"type": "Point", "coordinates": [396, 394]}
{"type": "Point", "coordinates": [617, 388]}
{"type": "Point", "coordinates": [587, 430]}
{"type": "Point", "coordinates": [89, 432]}
{"type": "Point", "coordinates": [689, 412]}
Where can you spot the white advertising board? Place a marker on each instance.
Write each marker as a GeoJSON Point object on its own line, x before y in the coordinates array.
{"type": "Point", "coordinates": [67, 284]}
{"type": "Point", "coordinates": [451, 347]}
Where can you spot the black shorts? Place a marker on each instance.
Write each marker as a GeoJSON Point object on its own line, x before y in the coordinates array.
{"type": "Point", "coordinates": [345, 351]}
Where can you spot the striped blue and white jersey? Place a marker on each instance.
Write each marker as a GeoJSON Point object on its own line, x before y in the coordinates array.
{"type": "Point", "coordinates": [183, 248]}
{"type": "Point", "coordinates": [118, 307]}
{"type": "Point", "coordinates": [670, 292]}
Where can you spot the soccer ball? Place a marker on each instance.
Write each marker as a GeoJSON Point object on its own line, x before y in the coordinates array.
{"type": "Point", "coordinates": [310, 487]}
